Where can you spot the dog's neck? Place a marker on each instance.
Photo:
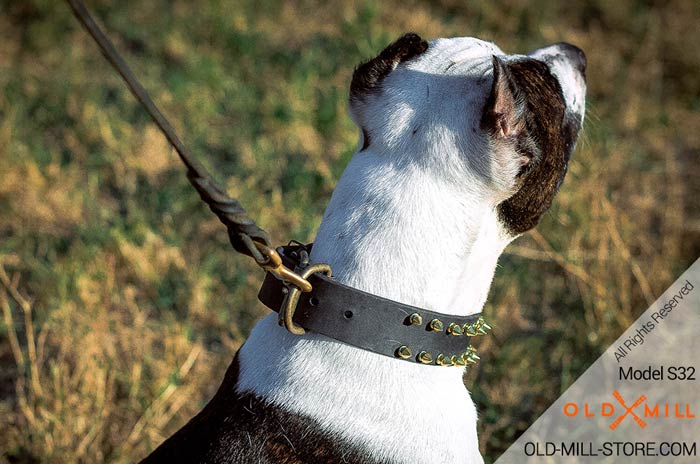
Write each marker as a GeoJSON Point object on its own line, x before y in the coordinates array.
{"type": "Point", "coordinates": [381, 233]}
{"type": "Point", "coordinates": [385, 232]}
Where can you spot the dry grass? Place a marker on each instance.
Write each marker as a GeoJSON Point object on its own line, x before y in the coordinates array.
{"type": "Point", "coordinates": [122, 302]}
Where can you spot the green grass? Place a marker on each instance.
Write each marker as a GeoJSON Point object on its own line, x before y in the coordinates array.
{"type": "Point", "coordinates": [122, 300]}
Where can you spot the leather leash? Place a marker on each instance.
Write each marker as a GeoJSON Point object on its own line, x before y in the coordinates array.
{"type": "Point", "coordinates": [329, 308]}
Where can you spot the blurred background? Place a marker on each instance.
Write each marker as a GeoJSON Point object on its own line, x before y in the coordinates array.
{"type": "Point", "coordinates": [122, 301]}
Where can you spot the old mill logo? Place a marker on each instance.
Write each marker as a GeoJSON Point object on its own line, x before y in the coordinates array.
{"type": "Point", "coordinates": [638, 411]}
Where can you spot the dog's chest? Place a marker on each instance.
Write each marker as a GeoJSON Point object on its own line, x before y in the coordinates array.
{"type": "Point", "coordinates": [373, 408]}
{"type": "Point", "coordinates": [243, 428]}
{"type": "Point", "coordinates": [272, 416]}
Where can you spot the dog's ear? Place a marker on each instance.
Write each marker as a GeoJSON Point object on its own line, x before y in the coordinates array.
{"type": "Point", "coordinates": [504, 113]}
{"type": "Point", "coordinates": [368, 76]}
{"type": "Point", "coordinates": [504, 119]}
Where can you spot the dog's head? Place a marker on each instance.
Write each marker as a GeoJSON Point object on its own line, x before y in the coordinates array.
{"type": "Point", "coordinates": [504, 124]}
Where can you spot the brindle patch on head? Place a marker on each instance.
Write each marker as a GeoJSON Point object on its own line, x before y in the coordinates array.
{"type": "Point", "coordinates": [548, 140]}
{"type": "Point", "coordinates": [368, 76]}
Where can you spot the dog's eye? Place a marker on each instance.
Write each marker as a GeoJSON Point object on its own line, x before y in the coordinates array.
{"type": "Point", "coordinates": [365, 139]}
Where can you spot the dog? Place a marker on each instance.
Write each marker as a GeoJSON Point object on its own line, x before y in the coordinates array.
{"type": "Point", "coordinates": [462, 148]}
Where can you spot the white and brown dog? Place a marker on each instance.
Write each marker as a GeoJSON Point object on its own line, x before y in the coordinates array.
{"type": "Point", "coordinates": [462, 149]}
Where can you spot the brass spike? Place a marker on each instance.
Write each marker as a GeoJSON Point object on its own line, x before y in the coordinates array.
{"type": "Point", "coordinates": [454, 329]}
{"type": "Point", "coordinates": [470, 356]}
{"type": "Point", "coordinates": [481, 331]}
{"type": "Point", "coordinates": [436, 325]}
{"type": "Point", "coordinates": [486, 326]}
{"type": "Point", "coordinates": [425, 357]}
{"type": "Point", "coordinates": [468, 330]}
{"type": "Point", "coordinates": [415, 319]}
{"type": "Point", "coordinates": [443, 360]}
{"type": "Point", "coordinates": [403, 352]}
{"type": "Point", "coordinates": [457, 360]}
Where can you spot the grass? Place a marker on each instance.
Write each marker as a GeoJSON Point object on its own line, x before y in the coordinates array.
{"type": "Point", "coordinates": [122, 301]}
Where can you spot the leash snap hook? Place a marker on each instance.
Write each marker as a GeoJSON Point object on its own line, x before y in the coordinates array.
{"type": "Point", "coordinates": [291, 300]}
{"type": "Point", "coordinates": [274, 266]}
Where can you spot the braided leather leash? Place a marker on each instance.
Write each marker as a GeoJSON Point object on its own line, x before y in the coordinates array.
{"type": "Point", "coordinates": [244, 233]}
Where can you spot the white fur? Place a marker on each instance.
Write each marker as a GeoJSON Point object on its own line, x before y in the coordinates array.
{"type": "Point", "coordinates": [413, 218]}
{"type": "Point", "coordinates": [405, 235]}
{"type": "Point", "coordinates": [397, 411]}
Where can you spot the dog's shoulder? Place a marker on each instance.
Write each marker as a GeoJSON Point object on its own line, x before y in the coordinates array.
{"type": "Point", "coordinates": [242, 428]}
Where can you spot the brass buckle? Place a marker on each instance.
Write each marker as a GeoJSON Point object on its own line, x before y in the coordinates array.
{"type": "Point", "coordinates": [292, 299]}
{"type": "Point", "coordinates": [275, 267]}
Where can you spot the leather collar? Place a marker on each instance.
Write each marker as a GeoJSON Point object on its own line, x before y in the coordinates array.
{"type": "Point", "coordinates": [374, 323]}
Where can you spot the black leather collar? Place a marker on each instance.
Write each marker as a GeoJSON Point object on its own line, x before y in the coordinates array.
{"type": "Point", "coordinates": [374, 323]}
